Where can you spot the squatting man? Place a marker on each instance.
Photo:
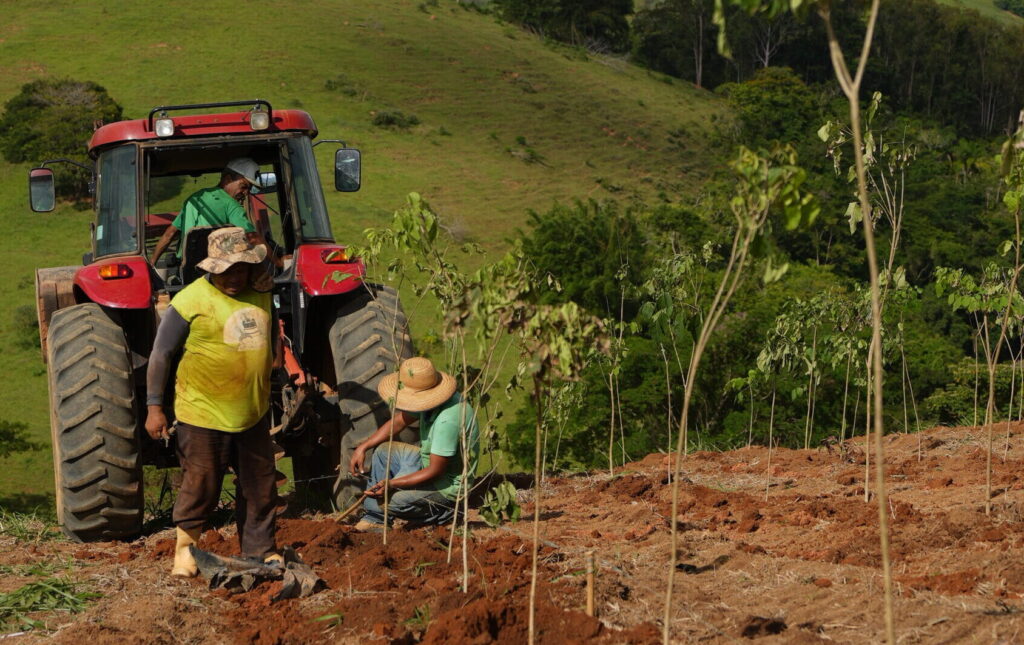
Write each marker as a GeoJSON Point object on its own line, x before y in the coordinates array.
{"type": "Point", "coordinates": [423, 483]}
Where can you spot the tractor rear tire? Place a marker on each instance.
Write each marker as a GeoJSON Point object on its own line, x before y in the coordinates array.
{"type": "Point", "coordinates": [369, 339]}
{"type": "Point", "coordinates": [97, 473]}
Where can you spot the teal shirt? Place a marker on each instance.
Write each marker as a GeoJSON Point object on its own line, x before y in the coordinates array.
{"type": "Point", "coordinates": [440, 434]}
{"type": "Point", "coordinates": [210, 207]}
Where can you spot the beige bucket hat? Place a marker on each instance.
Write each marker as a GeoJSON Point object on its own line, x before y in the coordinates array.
{"type": "Point", "coordinates": [227, 246]}
{"type": "Point", "coordinates": [418, 386]}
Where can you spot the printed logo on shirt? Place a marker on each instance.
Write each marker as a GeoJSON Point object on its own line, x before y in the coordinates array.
{"type": "Point", "coordinates": [247, 329]}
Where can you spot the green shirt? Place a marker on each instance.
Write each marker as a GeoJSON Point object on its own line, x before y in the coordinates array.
{"type": "Point", "coordinates": [440, 434]}
{"type": "Point", "coordinates": [223, 378]}
{"type": "Point", "coordinates": [210, 207]}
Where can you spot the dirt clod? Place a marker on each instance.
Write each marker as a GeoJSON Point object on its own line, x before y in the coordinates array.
{"type": "Point", "coordinates": [758, 626]}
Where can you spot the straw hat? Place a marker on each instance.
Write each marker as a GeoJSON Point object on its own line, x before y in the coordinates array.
{"type": "Point", "coordinates": [227, 246]}
{"type": "Point", "coordinates": [418, 386]}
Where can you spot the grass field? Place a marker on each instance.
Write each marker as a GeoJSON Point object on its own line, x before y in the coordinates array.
{"type": "Point", "coordinates": [486, 95]}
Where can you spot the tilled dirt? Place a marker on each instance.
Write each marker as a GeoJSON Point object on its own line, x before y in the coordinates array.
{"type": "Point", "coordinates": [789, 556]}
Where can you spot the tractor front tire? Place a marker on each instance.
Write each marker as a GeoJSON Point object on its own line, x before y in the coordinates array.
{"type": "Point", "coordinates": [369, 339]}
{"type": "Point", "coordinates": [97, 475]}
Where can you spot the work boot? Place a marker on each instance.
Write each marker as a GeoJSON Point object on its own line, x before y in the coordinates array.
{"type": "Point", "coordinates": [274, 560]}
{"type": "Point", "coordinates": [184, 563]}
{"type": "Point", "coordinates": [366, 526]}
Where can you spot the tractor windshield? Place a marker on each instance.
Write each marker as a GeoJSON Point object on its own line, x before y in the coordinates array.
{"type": "Point", "coordinates": [116, 202]}
{"type": "Point", "coordinates": [308, 194]}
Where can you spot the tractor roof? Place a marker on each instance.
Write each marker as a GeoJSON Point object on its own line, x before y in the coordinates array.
{"type": "Point", "coordinates": [196, 125]}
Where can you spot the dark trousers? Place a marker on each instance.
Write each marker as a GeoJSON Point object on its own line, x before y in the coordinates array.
{"type": "Point", "coordinates": [205, 455]}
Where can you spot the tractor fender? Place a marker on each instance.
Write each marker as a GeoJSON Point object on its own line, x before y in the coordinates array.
{"type": "Point", "coordinates": [128, 286]}
{"type": "Point", "coordinates": [60, 287]}
{"type": "Point", "coordinates": [319, 273]}
{"type": "Point", "coordinates": [54, 290]}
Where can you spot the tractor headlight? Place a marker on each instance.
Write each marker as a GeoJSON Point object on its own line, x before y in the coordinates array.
{"type": "Point", "coordinates": [163, 127]}
{"type": "Point", "coordinates": [259, 120]}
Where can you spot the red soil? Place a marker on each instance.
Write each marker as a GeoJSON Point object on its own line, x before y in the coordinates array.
{"type": "Point", "coordinates": [790, 558]}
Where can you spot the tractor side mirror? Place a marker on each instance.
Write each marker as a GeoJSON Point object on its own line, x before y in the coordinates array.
{"type": "Point", "coordinates": [42, 198]}
{"type": "Point", "coordinates": [268, 184]}
{"type": "Point", "coordinates": [346, 170]}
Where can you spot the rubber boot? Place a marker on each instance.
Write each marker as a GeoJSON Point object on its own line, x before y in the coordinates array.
{"type": "Point", "coordinates": [274, 559]}
{"type": "Point", "coordinates": [184, 563]}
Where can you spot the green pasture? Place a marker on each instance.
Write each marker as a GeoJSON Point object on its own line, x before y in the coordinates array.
{"type": "Point", "coordinates": [507, 123]}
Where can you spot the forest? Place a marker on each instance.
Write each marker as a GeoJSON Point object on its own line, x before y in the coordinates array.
{"type": "Point", "coordinates": [789, 358]}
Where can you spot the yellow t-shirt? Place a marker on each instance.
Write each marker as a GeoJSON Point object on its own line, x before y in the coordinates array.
{"type": "Point", "coordinates": [223, 379]}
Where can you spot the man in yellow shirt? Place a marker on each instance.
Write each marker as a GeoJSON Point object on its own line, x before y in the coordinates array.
{"type": "Point", "coordinates": [222, 396]}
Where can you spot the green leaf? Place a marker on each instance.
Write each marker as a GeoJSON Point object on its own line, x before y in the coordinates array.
{"type": "Point", "coordinates": [854, 215]}
{"type": "Point", "coordinates": [774, 273]}
{"type": "Point", "coordinates": [825, 131]}
{"type": "Point", "coordinates": [1011, 199]}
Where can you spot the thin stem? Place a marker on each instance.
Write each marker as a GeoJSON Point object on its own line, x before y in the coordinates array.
{"type": "Point", "coordinates": [668, 392]}
{"type": "Point", "coordinates": [750, 428]}
{"type": "Point", "coordinates": [768, 472]}
{"type": "Point", "coordinates": [993, 357]}
{"type": "Point", "coordinates": [611, 427]}
{"type": "Point", "coordinates": [537, 389]}
{"type": "Point", "coordinates": [730, 281]}
{"type": "Point", "coordinates": [846, 394]}
{"type": "Point", "coordinates": [851, 87]}
{"type": "Point", "coordinates": [1009, 413]}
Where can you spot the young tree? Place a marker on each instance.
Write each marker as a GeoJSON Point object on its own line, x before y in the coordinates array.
{"type": "Point", "coordinates": [765, 183]}
{"type": "Point", "coordinates": [850, 83]}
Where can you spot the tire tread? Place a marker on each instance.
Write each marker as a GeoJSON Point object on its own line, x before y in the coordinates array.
{"type": "Point", "coordinates": [96, 445]}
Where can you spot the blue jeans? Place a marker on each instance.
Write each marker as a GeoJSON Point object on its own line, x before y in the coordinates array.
{"type": "Point", "coordinates": [420, 505]}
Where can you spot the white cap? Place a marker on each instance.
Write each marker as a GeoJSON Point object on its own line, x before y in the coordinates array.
{"type": "Point", "coordinates": [247, 168]}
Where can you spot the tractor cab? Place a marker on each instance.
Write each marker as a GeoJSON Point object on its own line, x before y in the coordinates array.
{"type": "Point", "coordinates": [145, 169]}
{"type": "Point", "coordinates": [341, 335]}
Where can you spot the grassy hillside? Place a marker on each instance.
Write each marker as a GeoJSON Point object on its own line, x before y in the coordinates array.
{"type": "Point", "coordinates": [485, 93]}
{"type": "Point", "coordinates": [988, 9]}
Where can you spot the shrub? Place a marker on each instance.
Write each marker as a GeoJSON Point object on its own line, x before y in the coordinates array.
{"type": "Point", "coordinates": [954, 404]}
{"type": "Point", "coordinates": [55, 118]}
{"type": "Point", "coordinates": [26, 327]}
{"type": "Point", "coordinates": [600, 24]}
{"type": "Point", "coordinates": [14, 438]}
{"type": "Point", "coordinates": [773, 105]}
{"type": "Point", "coordinates": [584, 246]}
{"type": "Point", "coordinates": [342, 85]}
{"type": "Point", "coordinates": [395, 119]}
{"type": "Point", "coordinates": [1013, 6]}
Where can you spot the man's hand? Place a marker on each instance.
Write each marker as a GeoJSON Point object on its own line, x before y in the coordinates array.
{"type": "Point", "coordinates": [156, 422]}
{"type": "Point", "coordinates": [377, 490]}
{"type": "Point", "coordinates": [355, 465]}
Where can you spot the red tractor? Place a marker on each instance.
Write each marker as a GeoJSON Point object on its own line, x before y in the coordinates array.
{"type": "Point", "coordinates": [97, 321]}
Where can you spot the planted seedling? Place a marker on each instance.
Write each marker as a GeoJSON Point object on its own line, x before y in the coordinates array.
{"type": "Point", "coordinates": [500, 505]}
{"type": "Point", "coordinates": [420, 618]}
{"type": "Point", "coordinates": [332, 620]}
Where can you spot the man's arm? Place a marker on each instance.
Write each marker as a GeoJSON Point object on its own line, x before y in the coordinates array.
{"type": "Point", "coordinates": [170, 337]}
{"type": "Point", "coordinates": [444, 445]}
{"type": "Point", "coordinates": [387, 430]}
{"type": "Point", "coordinates": [163, 243]}
{"type": "Point", "coordinates": [276, 332]}
{"type": "Point", "coordinates": [237, 216]}
{"type": "Point", "coordinates": [434, 468]}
